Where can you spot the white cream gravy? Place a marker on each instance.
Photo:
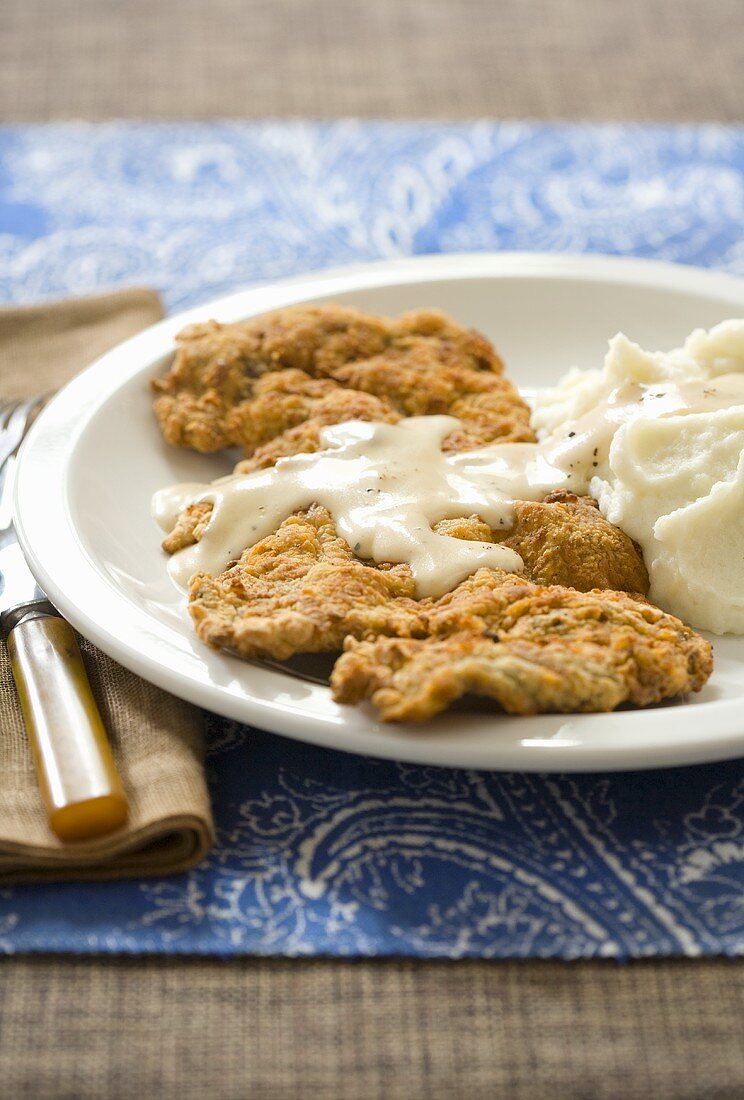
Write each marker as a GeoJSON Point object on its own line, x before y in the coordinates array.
{"type": "Point", "coordinates": [386, 485]}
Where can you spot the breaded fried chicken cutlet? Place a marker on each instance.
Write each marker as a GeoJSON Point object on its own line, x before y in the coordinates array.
{"type": "Point", "coordinates": [269, 384]}
{"type": "Point", "coordinates": [530, 644]}
{"type": "Point", "coordinates": [532, 648]}
{"type": "Point", "coordinates": [573, 632]}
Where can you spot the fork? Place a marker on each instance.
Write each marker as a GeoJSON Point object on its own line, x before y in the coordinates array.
{"type": "Point", "coordinates": [79, 783]}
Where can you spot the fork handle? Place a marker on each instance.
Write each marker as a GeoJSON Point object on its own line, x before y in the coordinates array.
{"type": "Point", "coordinates": [79, 782]}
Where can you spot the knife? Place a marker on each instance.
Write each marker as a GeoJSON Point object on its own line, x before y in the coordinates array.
{"type": "Point", "coordinates": [79, 783]}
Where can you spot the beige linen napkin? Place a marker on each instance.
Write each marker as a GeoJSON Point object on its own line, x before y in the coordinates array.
{"type": "Point", "coordinates": [156, 738]}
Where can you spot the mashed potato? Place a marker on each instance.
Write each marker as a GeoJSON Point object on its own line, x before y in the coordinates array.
{"type": "Point", "coordinates": [673, 480]}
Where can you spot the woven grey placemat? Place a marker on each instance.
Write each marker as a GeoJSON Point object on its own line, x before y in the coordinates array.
{"type": "Point", "coordinates": [392, 1030]}
{"type": "Point", "coordinates": [597, 59]}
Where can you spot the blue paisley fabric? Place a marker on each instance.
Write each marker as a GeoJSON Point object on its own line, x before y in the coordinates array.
{"type": "Point", "coordinates": [324, 853]}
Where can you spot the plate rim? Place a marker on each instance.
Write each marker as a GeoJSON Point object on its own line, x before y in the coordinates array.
{"type": "Point", "coordinates": [42, 464]}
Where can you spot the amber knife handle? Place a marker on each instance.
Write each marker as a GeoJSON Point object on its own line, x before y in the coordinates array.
{"type": "Point", "coordinates": [79, 782]}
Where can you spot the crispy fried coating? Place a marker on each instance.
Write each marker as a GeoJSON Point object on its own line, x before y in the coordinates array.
{"type": "Point", "coordinates": [288, 412]}
{"type": "Point", "coordinates": [301, 590]}
{"type": "Point", "coordinates": [274, 381]}
{"type": "Point", "coordinates": [566, 540]}
{"type": "Point", "coordinates": [531, 648]}
{"type": "Point", "coordinates": [189, 527]}
{"type": "Point", "coordinates": [562, 540]}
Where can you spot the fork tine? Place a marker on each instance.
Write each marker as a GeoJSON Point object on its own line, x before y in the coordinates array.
{"type": "Point", "coordinates": [16, 422]}
{"type": "Point", "coordinates": [16, 418]}
{"type": "Point", "coordinates": [6, 408]}
{"type": "Point", "coordinates": [6, 413]}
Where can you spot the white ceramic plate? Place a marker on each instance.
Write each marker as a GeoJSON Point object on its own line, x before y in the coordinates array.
{"type": "Point", "coordinates": [95, 456]}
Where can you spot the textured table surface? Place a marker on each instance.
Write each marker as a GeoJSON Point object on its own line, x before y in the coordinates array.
{"type": "Point", "coordinates": [295, 1029]}
{"type": "Point", "coordinates": [600, 59]}
{"type": "Point", "coordinates": [363, 1029]}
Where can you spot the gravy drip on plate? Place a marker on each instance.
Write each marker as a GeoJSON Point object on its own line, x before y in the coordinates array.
{"type": "Point", "coordinates": [386, 485]}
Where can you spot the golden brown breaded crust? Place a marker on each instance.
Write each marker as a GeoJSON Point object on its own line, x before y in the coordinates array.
{"type": "Point", "coordinates": [532, 649]}
{"type": "Point", "coordinates": [564, 539]}
{"type": "Point", "coordinates": [301, 590]}
{"type": "Point", "coordinates": [189, 526]}
{"type": "Point", "coordinates": [249, 383]}
{"type": "Point", "coordinates": [289, 410]}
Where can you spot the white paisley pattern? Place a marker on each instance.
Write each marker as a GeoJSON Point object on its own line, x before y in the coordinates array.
{"type": "Point", "coordinates": [320, 852]}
